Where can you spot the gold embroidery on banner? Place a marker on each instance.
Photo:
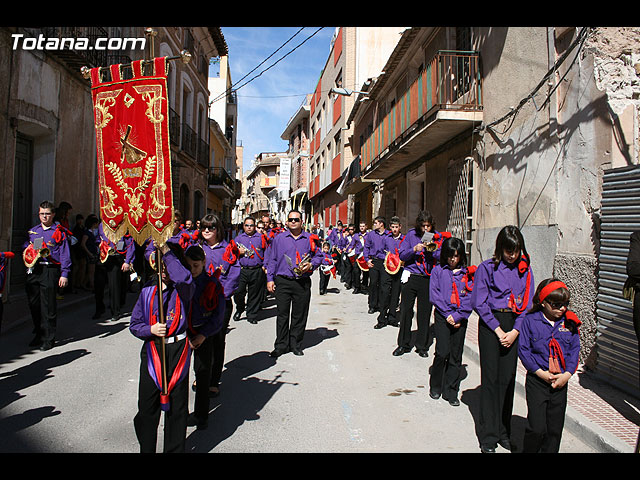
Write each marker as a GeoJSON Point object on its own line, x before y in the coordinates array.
{"type": "Point", "coordinates": [128, 100]}
{"type": "Point", "coordinates": [108, 201]}
{"type": "Point", "coordinates": [132, 172]}
{"type": "Point", "coordinates": [135, 195]}
{"type": "Point", "coordinates": [152, 95]}
{"type": "Point", "coordinates": [130, 152]}
{"type": "Point", "coordinates": [157, 200]}
{"type": "Point", "coordinates": [105, 100]}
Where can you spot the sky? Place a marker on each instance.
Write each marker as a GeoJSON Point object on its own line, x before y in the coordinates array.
{"type": "Point", "coordinates": [268, 101]}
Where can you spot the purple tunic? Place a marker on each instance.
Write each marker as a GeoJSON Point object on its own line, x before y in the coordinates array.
{"type": "Point", "coordinates": [417, 263]}
{"type": "Point", "coordinates": [374, 245]}
{"type": "Point", "coordinates": [204, 321]}
{"type": "Point", "coordinates": [286, 245]}
{"type": "Point", "coordinates": [441, 292]}
{"type": "Point", "coordinates": [254, 257]}
{"type": "Point", "coordinates": [533, 344]}
{"type": "Point", "coordinates": [230, 273]}
{"type": "Point", "coordinates": [493, 287]}
{"type": "Point", "coordinates": [59, 251]}
{"type": "Point", "coordinates": [128, 246]}
{"type": "Point", "coordinates": [180, 289]}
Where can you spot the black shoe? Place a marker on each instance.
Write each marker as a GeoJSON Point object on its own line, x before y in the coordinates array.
{"type": "Point", "coordinates": [372, 310]}
{"type": "Point", "coordinates": [47, 346]}
{"type": "Point", "coordinates": [298, 352]}
{"type": "Point", "coordinates": [434, 395]}
{"type": "Point", "coordinates": [505, 443]}
{"type": "Point", "coordinates": [36, 342]}
{"type": "Point", "coordinates": [237, 315]}
{"type": "Point", "coordinates": [422, 353]}
{"type": "Point", "coordinates": [454, 402]}
{"type": "Point", "coordinates": [379, 325]}
{"type": "Point", "coordinates": [487, 449]}
{"type": "Point", "coordinates": [252, 321]}
{"type": "Point", "coordinates": [276, 353]}
{"type": "Point", "coordinates": [356, 291]}
{"type": "Point", "coordinates": [400, 351]}
{"type": "Point", "coordinates": [394, 324]}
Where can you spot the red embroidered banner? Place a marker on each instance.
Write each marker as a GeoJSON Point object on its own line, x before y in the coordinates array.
{"type": "Point", "coordinates": [134, 163]}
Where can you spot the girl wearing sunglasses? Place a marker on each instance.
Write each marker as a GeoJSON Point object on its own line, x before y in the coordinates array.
{"type": "Point", "coordinates": [549, 349]}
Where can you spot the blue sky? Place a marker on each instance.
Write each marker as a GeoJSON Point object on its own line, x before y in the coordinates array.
{"type": "Point", "coordinates": [266, 103]}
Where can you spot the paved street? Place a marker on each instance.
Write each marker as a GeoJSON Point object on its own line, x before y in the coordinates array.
{"type": "Point", "coordinates": [346, 394]}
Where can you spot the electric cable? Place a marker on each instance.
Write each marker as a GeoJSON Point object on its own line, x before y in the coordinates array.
{"type": "Point", "coordinates": [236, 87]}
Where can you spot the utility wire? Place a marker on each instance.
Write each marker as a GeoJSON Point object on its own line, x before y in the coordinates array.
{"type": "Point", "coordinates": [236, 87]}
{"type": "Point", "coordinates": [256, 67]}
{"type": "Point", "coordinates": [579, 40]}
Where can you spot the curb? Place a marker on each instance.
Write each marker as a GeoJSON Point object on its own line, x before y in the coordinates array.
{"type": "Point", "coordinates": [576, 423]}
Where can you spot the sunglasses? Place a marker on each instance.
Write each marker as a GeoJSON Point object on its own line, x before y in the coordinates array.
{"type": "Point", "coordinates": [294, 220]}
{"type": "Point", "coordinates": [211, 228]}
{"type": "Point", "coordinates": [559, 305]}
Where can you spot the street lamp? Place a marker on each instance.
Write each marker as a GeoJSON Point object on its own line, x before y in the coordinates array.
{"type": "Point", "coordinates": [346, 92]}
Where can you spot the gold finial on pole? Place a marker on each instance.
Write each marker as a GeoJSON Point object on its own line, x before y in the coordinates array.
{"type": "Point", "coordinates": [186, 56]}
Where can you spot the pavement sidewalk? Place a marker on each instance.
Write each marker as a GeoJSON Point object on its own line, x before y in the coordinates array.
{"type": "Point", "coordinates": [604, 416]}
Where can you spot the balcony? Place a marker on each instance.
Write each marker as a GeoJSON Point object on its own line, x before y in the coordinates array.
{"type": "Point", "coordinates": [203, 153]}
{"type": "Point", "coordinates": [189, 140]}
{"type": "Point", "coordinates": [444, 101]}
{"type": "Point", "coordinates": [221, 183]}
{"type": "Point", "coordinates": [174, 127]}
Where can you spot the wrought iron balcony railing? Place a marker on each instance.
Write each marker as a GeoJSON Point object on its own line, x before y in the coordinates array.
{"type": "Point", "coordinates": [219, 176]}
{"type": "Point", "coordinates": [451, 81]}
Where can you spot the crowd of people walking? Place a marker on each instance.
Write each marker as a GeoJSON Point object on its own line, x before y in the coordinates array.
{"type": "Point", "coordinates": [206, 274]}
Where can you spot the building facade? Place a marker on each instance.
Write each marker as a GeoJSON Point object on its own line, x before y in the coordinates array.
{"type": "Point", "coordinates": [357, 53]}
{"type": "Point", "coordinates": [296, 134]}
{"type": "Point", "coordinates": [189, 111]}
{"type": "Point", "coordinates": [494, 126]}
{"type": "Point", "coordinates": [47, 120]}
{"type": "Point", "coordinates": [262, 185]}
{"type": "Point", "coordinates": [223, 109]}
{"type": "Point", "coordinates": [221, 188]}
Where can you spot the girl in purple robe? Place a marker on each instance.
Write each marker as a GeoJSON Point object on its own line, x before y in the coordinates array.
{"type": "Point", "coordinates": [502, 293]}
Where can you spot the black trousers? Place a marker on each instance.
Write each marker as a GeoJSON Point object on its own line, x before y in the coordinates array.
{"type": "Point", "coordinates": [546, 408]}
{"type": "Point", "coordinates": [219, 346]}
{"type": "Point", "coordinates": [360, 279]}
{"type": "Point", "coordinates": [110, 273]}
{"type": "Point", "coordinates": [447, 362]}
{"type": "Point", "coordinates": [389, 297]}
{"type": "Point", "coordinates": [292, 303]}
{"type": "Point", "coordinates": [324, 283]}
{"type": "Point", "coordinates": [251, 284]}
{"type": "Point", "coordinates": [41, 286]}
{"type": "Point", "coordinates": [348, 273]}
{"type": "Point", "coordinates": [147, 419]}
{"type": "Point", "coordinates": [497, 379]}
{"type": "Point", "coordinates": [202, 361]}
{"type": "Point", "coordinates": [416, 287]}
{"type": "Point", "coordinates": [375, 283]}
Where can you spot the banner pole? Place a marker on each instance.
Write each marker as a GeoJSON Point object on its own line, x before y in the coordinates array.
{"type": "Point", "coordinates": [185, 56]}
{"type": "Point", "coordinates": [161, 319]}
